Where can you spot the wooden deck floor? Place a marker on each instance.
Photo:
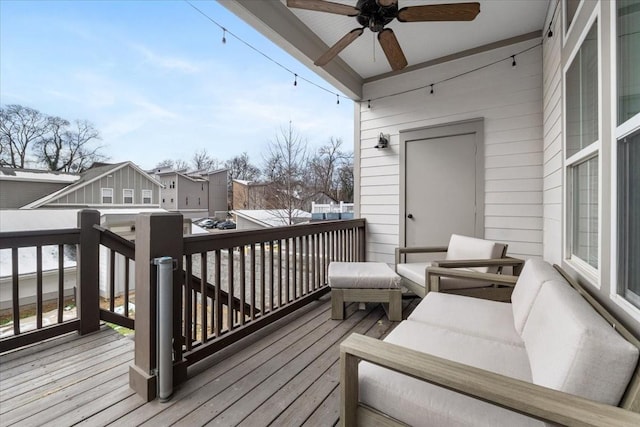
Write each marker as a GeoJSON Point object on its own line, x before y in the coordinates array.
{"type": "Point", "coordinates": [285, 375]}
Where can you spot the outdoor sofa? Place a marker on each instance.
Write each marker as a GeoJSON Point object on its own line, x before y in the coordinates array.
{"type": "Point", "coordinates": [552, 354]}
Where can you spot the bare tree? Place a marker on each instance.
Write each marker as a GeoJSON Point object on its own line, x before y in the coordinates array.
{"type": "Point", "coordinates": [202, 160]}
{"type": "Point", "coordinates": [20, 129]}
{"type": "Point", "coordinates": [240, 167]}
{"type": "Point", "coordinates": [325, 167]}
{"type": "Point", "coordinates": [345, 180]}
{"type": "Point", "coordinates": [69, 149]}
{"type": "Point", "coordinates": [284, 168]}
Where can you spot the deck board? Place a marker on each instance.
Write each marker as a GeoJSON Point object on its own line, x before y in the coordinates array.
{"type": "Point", "coordinates": [285, 374]}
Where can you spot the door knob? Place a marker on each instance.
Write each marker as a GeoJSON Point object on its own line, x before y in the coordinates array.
{"type": "Point", "coordinates": [410, 216]}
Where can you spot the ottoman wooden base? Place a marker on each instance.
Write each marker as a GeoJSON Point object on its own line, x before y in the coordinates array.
{"type": "Point", "coordinates": [391, 296]}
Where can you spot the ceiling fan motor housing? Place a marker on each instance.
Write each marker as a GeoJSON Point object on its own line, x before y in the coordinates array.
{"type": "Point", "coordinates": [374, 16]}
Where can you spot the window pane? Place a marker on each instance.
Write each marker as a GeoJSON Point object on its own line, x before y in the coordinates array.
{"type": "Point", "coordinates": [628, 59]}
{"type": "Point", "coordinates": [582, 95]}
{"type": "Point", "coordinates": [629, 217]}
{"type": "Point", "coordinates": [585, 211]}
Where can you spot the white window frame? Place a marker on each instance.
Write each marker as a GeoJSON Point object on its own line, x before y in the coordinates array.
{"type": "Point", "coordinates": [147, 194]}
{"type": "Point", "coordinates": [131, 193]}
{"type": "Point", "coordinates": [590, 273]}
{"type": "Point", "coordinates": [103, 195]}
{"type": "Point", "coordinates": [617, 132]}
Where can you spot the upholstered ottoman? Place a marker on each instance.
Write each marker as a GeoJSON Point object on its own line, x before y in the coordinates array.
{"type": "Point", "coordinates": [364, 282]}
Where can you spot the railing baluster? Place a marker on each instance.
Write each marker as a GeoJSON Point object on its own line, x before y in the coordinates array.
{"type": "Point", "coordinates": [38, 287]}
{"type": "Point", "coordinates": [61, 283]}
{"type": "Point", "coordinates": [279, 273]}
{"type": "Point", "coordinates": [295, 268]}
{"type": "Point", "coordinates": [217, 298]}
{"type": "Point", "coordinates": [230, 289]}
{"type": "Point", "coordinates": [253, 281]}
{"type": "Point", "coordinates": [203, 297]}
{"type": "Point", "coordinates": [188, 302]}
{"type": "Point", "coordinates": [307, 259]}
{"type": "Point", "coordinates": [271, 279]}
{"type": "Point", "coordinates": [242, 285]}
{"type": "Point", "coordinates": [263, 295]}
{"type": "Point", "coordinates": [112, 280]}
{"type": "Point", "coordinates": [286, 274]}
{"type": "Point", "coordinates": [14, 291]}
{"type": "Point", "coordinates": [126, 286]}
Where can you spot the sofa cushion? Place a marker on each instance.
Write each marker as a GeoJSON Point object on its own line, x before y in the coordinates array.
{"type": "Point", "coordinates": [533, 275]}
{"type": "Point", "coordinates": [473, 316]}
{"type": "Point", "coordinates": [573, 349]}
{"type": "Point", "coordinates": [362, 275]}
{"type": "Point", "coordinates": [419, 403]}
{"type": "Point", "coordinates": [465, 247]}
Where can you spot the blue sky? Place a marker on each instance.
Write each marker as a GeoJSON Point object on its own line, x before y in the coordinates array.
{"type": "Point", "coordinates": [156, 80]}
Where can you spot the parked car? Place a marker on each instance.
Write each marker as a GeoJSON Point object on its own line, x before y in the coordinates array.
{"type": "Point", "coordinates": [226, 225]}
{"type": "Point", "coordinates": [208, 223]}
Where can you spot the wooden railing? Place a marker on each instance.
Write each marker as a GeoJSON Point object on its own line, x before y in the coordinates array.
{"type": "Point", "coordinates": [228, 285]}
{"type": "Point", "coordinates": [33, 293]}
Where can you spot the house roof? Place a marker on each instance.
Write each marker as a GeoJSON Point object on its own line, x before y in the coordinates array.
{"type": "Point", "coordinates": [271, 217]}
{"type": "Point", "coordinates": [35, 175]}
{"type": "Point", "coordinates": [87, 177]}
{"type": "Point", "coordinates": [307, 34]}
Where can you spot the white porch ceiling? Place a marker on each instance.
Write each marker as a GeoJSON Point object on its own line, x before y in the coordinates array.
{"type": "Point", "coordinates": [307, 34]}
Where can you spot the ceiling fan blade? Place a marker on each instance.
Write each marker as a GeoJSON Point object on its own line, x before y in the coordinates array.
{"type": "Point", "coordinates": [386, 3]}
{"type": "Point", "coordinates": [339, 46]}
{"type": "Point", "coordinates": [440, 12]}
{"type": "Point", "coordinates": [392, 49]}
{"type": "Point", "coordinates": [324, 6]}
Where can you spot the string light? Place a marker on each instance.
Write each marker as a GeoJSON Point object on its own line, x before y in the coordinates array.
{"type": "Point", "coordinates": [431, 91]}
{"type": "Point", "coordinates": [369, 104]}
{"type": "Point", "coordinates": [513, 63]}
{"type": "Point", "coordinates": [553, 16]}
{"type": "Point", "coordinates": [473, 70]}
{"type": "Point", "coordinates": [255, 49]}
{"type": "Point", "coordinates": [295, 80]}
{"type": "Point", "coordinates": [337, 99]}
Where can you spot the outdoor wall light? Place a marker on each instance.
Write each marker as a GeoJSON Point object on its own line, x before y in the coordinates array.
{"type": "Point", "coordinates": [383, 141]}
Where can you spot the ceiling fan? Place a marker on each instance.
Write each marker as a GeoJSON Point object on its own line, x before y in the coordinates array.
{"type": "Point", "coordinates": [375, 14]}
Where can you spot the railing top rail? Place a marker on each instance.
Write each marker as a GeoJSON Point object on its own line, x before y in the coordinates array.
{"type": "Point", "coordinates": [22, 239]}
{"type": "Point", "coordinates": [118, 243]}
{"type": "Point", "coordinates": [209, 242]}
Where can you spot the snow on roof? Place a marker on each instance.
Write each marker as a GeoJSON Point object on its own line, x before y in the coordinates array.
{"type": "Point", "coordinates": [272, 217]}
{"type": "Point", "coordinates": [130, 211]}
{"type": "Point", "coordinates": [33, 175]}
{"type": "Point", "coordinates": [37, 219]}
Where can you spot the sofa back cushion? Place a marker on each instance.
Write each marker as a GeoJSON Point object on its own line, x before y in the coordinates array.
{"type": "Point", "coordinates": [533, 275]}
{"type": "Point", "coordinates": [571, 348]}
{"type": "Point", "coordinates": [464, 247]}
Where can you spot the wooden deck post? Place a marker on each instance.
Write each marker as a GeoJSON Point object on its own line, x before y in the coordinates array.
{"type": "Point", "coordinates": [88, 272]}
{"type": "Point", "coordinates": [157, 235]}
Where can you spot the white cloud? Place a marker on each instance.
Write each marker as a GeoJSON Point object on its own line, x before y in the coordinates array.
{"type": "Point", "coordinates": [165, 61]}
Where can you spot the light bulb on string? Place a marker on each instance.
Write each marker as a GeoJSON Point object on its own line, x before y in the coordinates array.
{"type": "Point", "coordinates": [513, 63]}
{"type": "Point", "coordinates": [337, 99]}
{"type": "Point", "coordinates": [431, 91]}
{"type": "Point", "coordinates": [224, 38]}
{"type": "Point", "coordinates": [295, 80]}
{"type": "Point", "coordinates": [369, 104]}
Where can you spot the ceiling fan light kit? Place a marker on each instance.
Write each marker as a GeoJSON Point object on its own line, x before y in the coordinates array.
{"type": "Point", "coordinates": [376, 14]}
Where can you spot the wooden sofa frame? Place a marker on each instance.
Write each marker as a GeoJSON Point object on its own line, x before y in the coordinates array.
{"type": "Point", "coordinates": [520, 396]}
{"type": "Point", "coordinates": [489, 292]}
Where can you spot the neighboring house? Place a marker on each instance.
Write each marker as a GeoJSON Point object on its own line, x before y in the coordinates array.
{"type": "Point", "coordinates": [19, 187]}
{"type": "Point", "coordinates": [249, 195]}
{"type": "Point", "coordinates": [522, 126]}
{"type": "Point", "coordinates": [196, 194]}
{"type": "Point", "coordinates": [105, 186]}
{"type": "Point", "coordinates": [266, 218]}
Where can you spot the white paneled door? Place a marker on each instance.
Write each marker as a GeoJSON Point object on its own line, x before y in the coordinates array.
{"type": "Point", "coordinates": [444, 184]}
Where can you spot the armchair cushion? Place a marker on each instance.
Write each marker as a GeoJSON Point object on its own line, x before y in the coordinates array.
{"type": "Point", "coordinates": [419, 403]}
{"type": "Point", "coordinates": [572, 349]}
{"type": "Point", "coordinates": [473, 316]}
{"type": "Point", "coordinates": [465, 247]}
